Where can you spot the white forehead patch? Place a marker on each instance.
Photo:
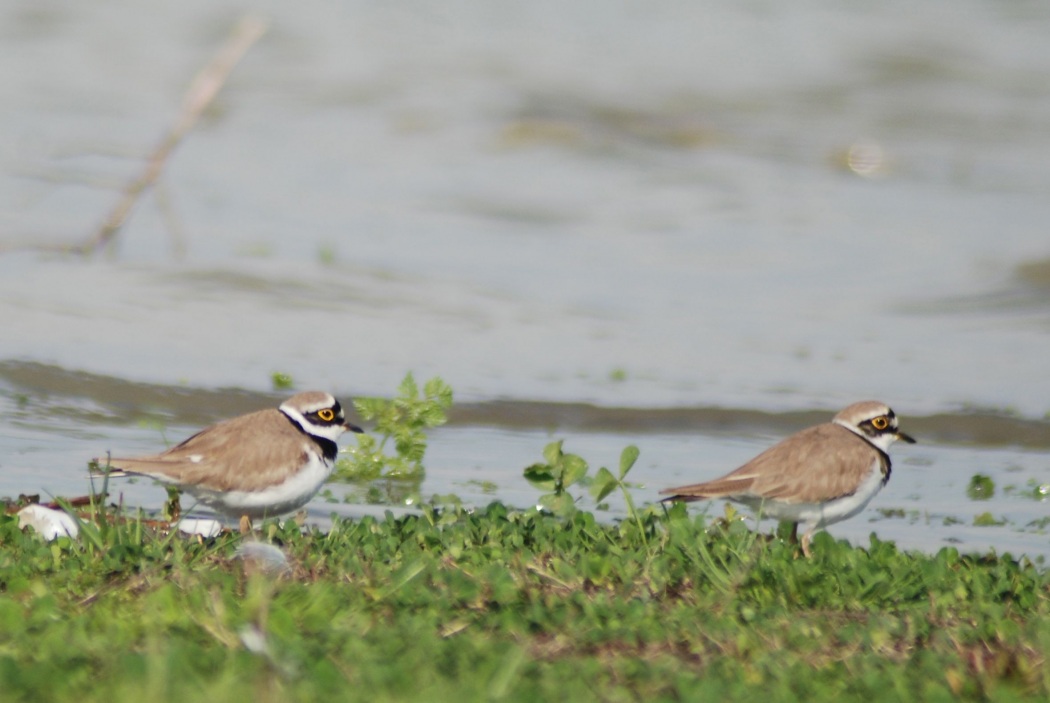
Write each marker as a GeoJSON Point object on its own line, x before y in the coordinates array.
{"type": "Point", "coordinates": [309, 402]}
{"type": "Point", "coordinates": [860, 412]}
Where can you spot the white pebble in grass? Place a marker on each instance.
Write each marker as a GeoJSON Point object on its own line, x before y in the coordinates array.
{"type": "Point", "coordinates": [205, 527]}
{"type": "Point", "coordinates": [48, 523]}
{"type": "Point", "coordinates": [266, 556]}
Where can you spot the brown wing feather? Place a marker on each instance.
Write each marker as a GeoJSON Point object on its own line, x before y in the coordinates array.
{"type": "Point", "coordinates": [262, 440]}
{"type": "Point", "coordinates": [814, 465]}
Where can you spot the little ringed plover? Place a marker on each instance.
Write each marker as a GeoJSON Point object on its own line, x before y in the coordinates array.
{"type": "Point", "coordinates": [816, 477]}
{"type": "Point", "coordinates": [265, 463]}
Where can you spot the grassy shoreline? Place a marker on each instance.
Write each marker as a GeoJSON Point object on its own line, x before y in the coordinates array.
{"type": "Point", "coordinates": [500, 604]}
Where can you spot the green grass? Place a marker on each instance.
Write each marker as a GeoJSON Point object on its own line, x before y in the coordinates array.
{"type": "Point", "coordinates": [511, 605]}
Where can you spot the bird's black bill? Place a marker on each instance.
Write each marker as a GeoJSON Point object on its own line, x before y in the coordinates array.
{"type": "Point", "coordinates": [907, 438]}
{"type": "Point", "coordinates": [355, 428]}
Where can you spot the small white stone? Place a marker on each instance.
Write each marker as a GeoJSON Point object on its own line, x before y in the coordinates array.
{"type": "Point", "coordinates": [266, 556]}
{"type": "Point", "coordinates": [205, 527]}
{"type": "Point", "coordinates": [48, 523]}
{"type": "Point", "coordinates": [254, 640]}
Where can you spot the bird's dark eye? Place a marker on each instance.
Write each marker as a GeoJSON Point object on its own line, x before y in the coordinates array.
{"type": "Point", "coordinates": [881, 422]}
{"type": "Point", "coordinates": [328, 414]}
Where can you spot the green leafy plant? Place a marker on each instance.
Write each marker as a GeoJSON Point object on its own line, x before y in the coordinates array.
{"type": "Point", "coordinates": [605, 483]}
{"type": "Point", "coordinates": [281, 381]}
{"type": "Point", "coordinates": [402, 420]}
{"type": "Point", "coordinates": [1037, 490]}
{"type": "Point", "coordinates": [981, 487]}
{"type": "Point", "coordinates": [326, 255]}
{"type": "Point", "coordinates": [987, 520]}
{"type": "Point", "coordinates": [560, 471]}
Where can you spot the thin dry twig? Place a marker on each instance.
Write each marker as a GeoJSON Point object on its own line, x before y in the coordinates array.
{"type": "Point", "coordinates": [202, 91]}
{"type": "Point", "coordinates": [200, 94]}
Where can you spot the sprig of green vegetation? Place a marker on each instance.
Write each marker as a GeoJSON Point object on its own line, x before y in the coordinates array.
{"type": "Point", "coordinates": [560, 471]}
{"type": "Point", "coordinates": [403, 420]}
{"type": "Point", "coordinates": [281, 381]}
{"type": "Point", "coordinates": [1037, 490]}
{"type": "Point", "coordinates": [981, 487]}
{"type": "Point", "coordinates": [987, 520]}
{"type": "Point", "coordinates": [605, 483]}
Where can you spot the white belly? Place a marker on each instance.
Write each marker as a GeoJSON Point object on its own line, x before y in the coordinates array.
{"type": "Point", "coordinates": [814, 516]}
{"type": "Point", "coordinates": [278, 499]}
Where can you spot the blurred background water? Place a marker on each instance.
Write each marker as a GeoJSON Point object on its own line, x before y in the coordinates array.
{"type": "Point", "coordinates": [762, 210]}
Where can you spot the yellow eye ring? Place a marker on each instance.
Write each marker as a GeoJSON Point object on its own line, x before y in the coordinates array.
{"type": "Point", "coordinates": [880, 423]}
{"type": "Point", "coordinates": [327, 414]}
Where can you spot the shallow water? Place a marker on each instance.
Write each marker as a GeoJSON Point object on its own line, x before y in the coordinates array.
{"type": "Point", "coordinates": [762, 211]}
